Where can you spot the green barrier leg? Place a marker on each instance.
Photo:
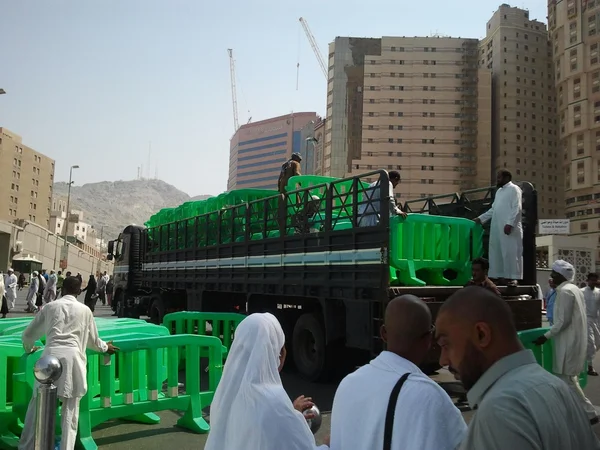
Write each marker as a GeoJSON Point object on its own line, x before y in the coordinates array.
{"type": "Point", "coordinates": [192, 419]}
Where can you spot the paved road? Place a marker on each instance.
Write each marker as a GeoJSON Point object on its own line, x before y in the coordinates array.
{"type": "Point", "coordinates": [118, 435]}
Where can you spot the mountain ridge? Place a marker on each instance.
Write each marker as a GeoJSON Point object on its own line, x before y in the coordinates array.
{"type": "Point", "coordinates": [112, 205]}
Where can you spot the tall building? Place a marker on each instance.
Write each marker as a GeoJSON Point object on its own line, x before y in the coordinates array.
{"type": "Point", "coordinates": [574, 28]}
{"type": "Point", "coordinates": [418, 105]}
{"type": "Point", "coordinates": [524, 137]}
{"type": "Point", "coordinates": [26, 181]}
{"type": "Point", "coordinates": [257, 150]}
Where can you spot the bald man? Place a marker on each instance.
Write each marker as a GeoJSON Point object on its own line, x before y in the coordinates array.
{"type": "Point", "coordinates": [518, 404]}
{"type": "Point", "coordinates": [390, 397]}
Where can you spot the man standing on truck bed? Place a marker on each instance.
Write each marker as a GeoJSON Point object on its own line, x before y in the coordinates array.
{"type": "Point", "coordinates": [288, 170]}
{"type": "Point", "coordinates": [506, 231]}
{"type": "Point", "coordinates": [368, 211]}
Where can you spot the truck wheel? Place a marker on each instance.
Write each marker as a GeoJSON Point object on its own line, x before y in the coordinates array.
{"type": "Point", "coordinates": [309, 347]}
{"type": "Point", "coordinates": [157, 310]}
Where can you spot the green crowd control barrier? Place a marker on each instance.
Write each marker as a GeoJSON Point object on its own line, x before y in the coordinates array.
{"type": "Point", "coordinates": [544, 353]}
{"type": "Point", "coordinates": [220, 325]}
{"type": "Point", "coordinates": [129, 384]}
{"type": "Point", "coordinates": [423, 247]}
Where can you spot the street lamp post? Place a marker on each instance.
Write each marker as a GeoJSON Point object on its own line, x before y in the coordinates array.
{"type": "Point", "coordinates": [64, 256]}
{"type": "Point", "coordinates": [69, 201]}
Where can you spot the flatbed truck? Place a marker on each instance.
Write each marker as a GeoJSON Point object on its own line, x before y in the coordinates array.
{"type": "Point", "coordinates": [327, 286]}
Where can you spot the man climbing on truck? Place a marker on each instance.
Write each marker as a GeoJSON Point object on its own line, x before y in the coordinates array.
{"type": "Point", "coordinates": [288, 170]}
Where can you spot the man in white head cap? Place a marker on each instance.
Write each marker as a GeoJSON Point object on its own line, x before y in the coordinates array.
{"type": "Point", "coordinates": [10, 284]}
{"type": "Point", "coordinates": [569, 333]}
{"type": "Point", "coordinates": [32, 293]}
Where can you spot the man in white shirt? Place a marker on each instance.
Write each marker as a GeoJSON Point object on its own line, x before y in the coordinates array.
{"type": "Point", "coordinates": [569, 333]}
{"type": "Point", "coordinates": [591, 295]}
{"type": "Point", "coordinates": [423, 416]}
{"type": "Point", "coordinates": [70, 329]}
{"type": "Point", "coordinates": [506, 231]}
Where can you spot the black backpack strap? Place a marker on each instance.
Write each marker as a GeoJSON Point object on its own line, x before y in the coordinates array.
{"type": "Point", "coordinates": [391, 411]}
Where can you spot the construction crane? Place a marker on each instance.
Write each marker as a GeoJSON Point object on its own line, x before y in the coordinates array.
{"type": "Point", "coordinates": [233, 89]}
{"type": "Point", "coordinates": [313, 44]}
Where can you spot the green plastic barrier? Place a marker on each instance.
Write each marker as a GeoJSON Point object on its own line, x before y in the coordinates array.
{"type": "Point", "coordinates": [129, 384]}
{"type": "Point", "coordinates": [422, 247]}
{"type": "Point", "coordinates": [222, 325]}
{"type": "Point", "coordinates": [544, 353]}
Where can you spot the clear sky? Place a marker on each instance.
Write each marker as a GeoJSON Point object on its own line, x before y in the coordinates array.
{"type": "Point", "coordinates": [93, 83]}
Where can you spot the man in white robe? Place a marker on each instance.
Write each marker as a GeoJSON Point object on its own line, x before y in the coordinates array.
{"type": "Point", "coordinates": [569, 333]}
{"type": "Point", "coordinates": [32, 293]}
{"type": "Point", "coordinates": [368, 212]}
{"type": "Point", "coordinates": [591, 295]}
{"type": "Point", "coordinates": [423, 418]}
{"type": "Point", "coordinates": [506, 231]}
{"type": "Point", "coordinates": [10, 284]}
{"type": "Point", "coordinates": [70, 329]}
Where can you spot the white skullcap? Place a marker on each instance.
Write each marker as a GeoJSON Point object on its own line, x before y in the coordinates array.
{"type": "Point", "coordinates": [564, 268]}
{"type": "Point", "coordinates": [11, 269]}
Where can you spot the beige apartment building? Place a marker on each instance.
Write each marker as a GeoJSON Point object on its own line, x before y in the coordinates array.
{"type": "Point", "coordinates": [574, 28]}
{"type": "Point", "coordinates": [25, 182]}
{"type": "Point", "coordinates": [418, 105]}
{"type": "Point", "coordinates": [517, 51]}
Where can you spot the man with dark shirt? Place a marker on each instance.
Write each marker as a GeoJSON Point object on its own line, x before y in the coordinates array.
{"type": "Point", "coordinates": [479, 270]}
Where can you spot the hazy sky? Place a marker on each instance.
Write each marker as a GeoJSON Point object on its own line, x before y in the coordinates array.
{"type": "Point", "coordinates": [94, 82]}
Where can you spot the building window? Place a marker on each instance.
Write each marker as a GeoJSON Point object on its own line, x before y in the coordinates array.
{"type": "Point", "coordinates": [580, 172]}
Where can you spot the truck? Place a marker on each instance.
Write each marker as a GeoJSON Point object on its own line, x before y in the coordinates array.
{"type": "Point", "coordinates": [307, 257]}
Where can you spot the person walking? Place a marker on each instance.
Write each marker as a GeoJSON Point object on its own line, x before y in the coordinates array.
{"type": "Point", "coordinates": [591, 295]}
{"type": "Point", "coordinates": [518, 404]}
{"type": "Point", "coordinates": [32, 293]}
{"type": "Point", "coordinates": [110, 286]}
{"type": "Point", "coordinates": [569, 333]}
{"type": "Point", "coordinates": [59, 282]}
{"type": "Point", "coordinates": [50, 289]}
{"type": "Point", "coordinates": [70, 330]}
{"type": "Point", "coordinates": [506, 231]}
{"type": "Point", "coordinates": [39, 302]}
{"type": "Point", "coordinates": [22, 281]}
{"type": "Point", "coordinates": [10, 285]}
{"type": "Point", "coordinates": [90, 293]}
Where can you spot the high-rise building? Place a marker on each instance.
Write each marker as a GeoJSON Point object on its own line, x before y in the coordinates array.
{"type": "Point", "coordinates": [258, 150]}
{"type": "Point", "coordinates": [574, 28]}
{"type": "Point", "coordinates": [524, 137]}
{"type": "Point", "coordinates": [25, 182]}
{"type": "Point", "coordinates": [418, 105]}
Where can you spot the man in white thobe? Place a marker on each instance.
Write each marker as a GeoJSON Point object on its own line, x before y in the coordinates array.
{"type": "Point", "coordinates": [569, 333]}
{"type": "Point", "coordinates": [368, 212]}
{"type": "Point", "coordinates": [10, 284]}
{"type": "Point", "coordinates": [506, 231]}
{"type": "Point", "coordinates": [70, 329]}
{"type": "Point", "coordinates": [32, 293]}
{"type": "Point", "coordinates": [591, 295]}
{"type": "Point", "coordinates": [423, 418]}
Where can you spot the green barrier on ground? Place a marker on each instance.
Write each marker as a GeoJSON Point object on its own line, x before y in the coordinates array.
{"type": "Point", "coordinates": [544, 353]}
{"type": "Point", "coordinates": [222, 325]}
{"type": "Point", "coordinates": [129, 385]}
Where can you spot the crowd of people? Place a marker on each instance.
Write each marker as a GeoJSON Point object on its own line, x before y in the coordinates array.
{"type": "Point", "coordinates": [45, 287]}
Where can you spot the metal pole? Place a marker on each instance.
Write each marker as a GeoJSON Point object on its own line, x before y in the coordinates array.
{"type": "Point", "coordinates": [47, 370]}
{"type": "Point", "coordinates": [68, 205]}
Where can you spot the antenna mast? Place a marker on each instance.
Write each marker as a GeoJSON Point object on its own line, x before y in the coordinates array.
{"type": "Point", "coordinates": [233, 89]}
{"type": "Point", "coordinates": [313, 44]}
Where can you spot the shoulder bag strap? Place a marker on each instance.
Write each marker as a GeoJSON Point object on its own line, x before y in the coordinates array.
{"type": "Point", "coordinates": [391, 410]}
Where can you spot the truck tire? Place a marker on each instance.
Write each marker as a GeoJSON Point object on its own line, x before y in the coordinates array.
{"type": "Point", "coordinates": [157, 310]}
{"type": "Point", "coordinates": [309, 347]}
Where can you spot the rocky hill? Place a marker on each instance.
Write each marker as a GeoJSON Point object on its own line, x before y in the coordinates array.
{"type": "Point", "coordinates": [113, 205]}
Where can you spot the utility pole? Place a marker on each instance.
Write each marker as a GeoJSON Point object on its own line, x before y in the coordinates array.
{"type": "Point", "coordinates": [64, 254]}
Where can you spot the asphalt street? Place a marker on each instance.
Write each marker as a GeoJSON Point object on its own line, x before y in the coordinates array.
{"type": "Point", "coordinates": [119, 435]}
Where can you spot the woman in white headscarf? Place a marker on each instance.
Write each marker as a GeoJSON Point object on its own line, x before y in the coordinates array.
{"type": "Point", "coordinates": [251, 410]}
